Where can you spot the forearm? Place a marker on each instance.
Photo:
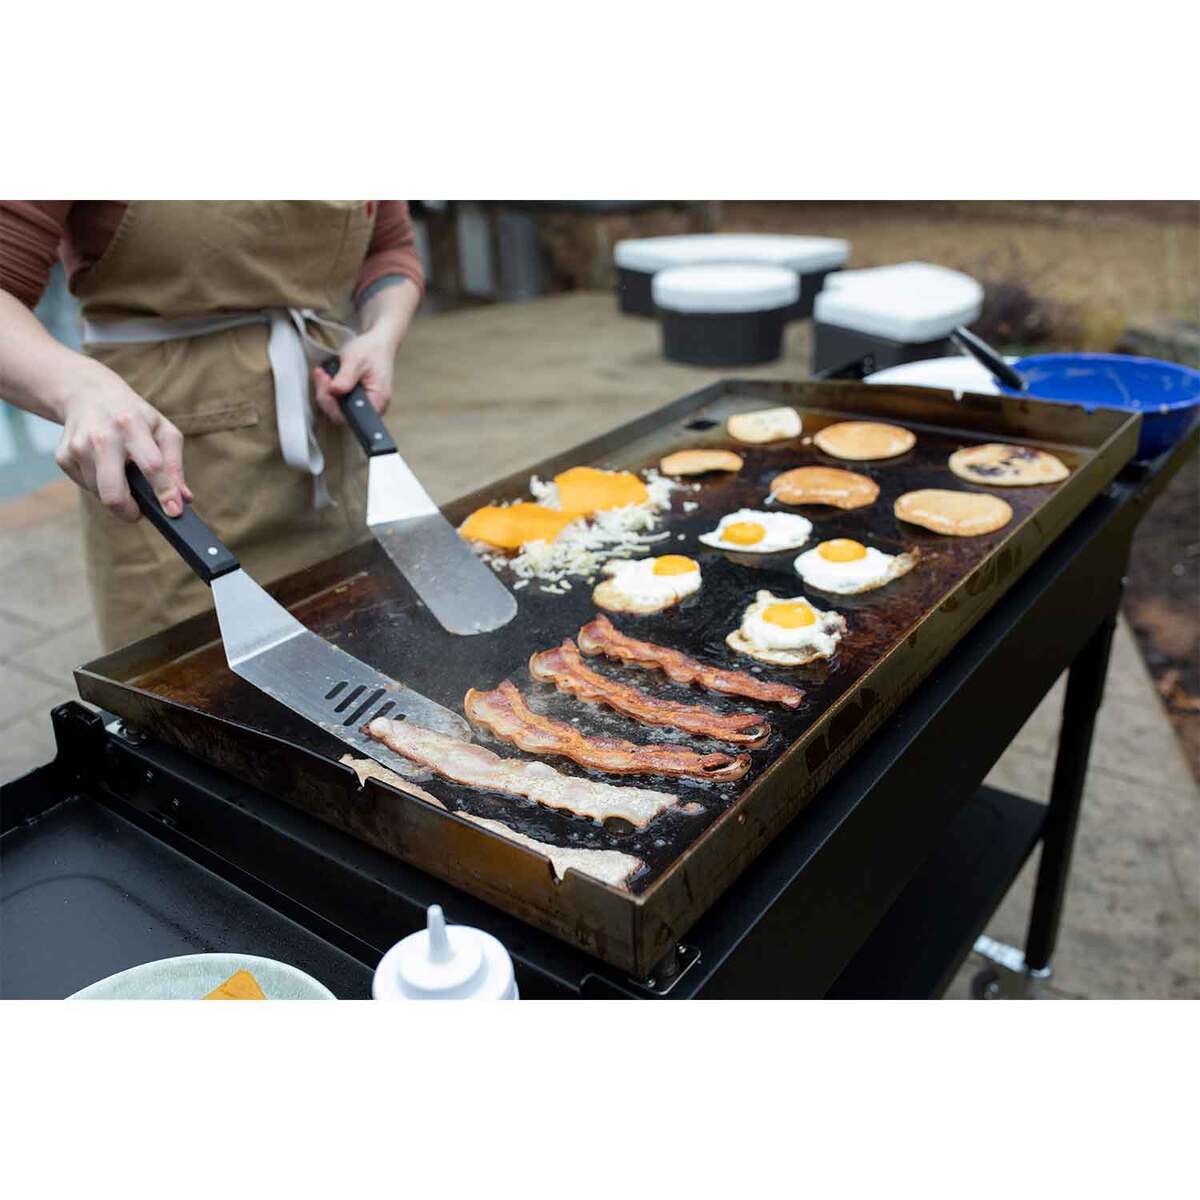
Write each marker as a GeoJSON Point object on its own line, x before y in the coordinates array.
{"type": "Point", "coordinates": [38, 373]}
{"type": "Point", "coordinates": [388, 312]}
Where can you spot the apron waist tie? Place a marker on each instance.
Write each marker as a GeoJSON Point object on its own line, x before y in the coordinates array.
{"type": "Point", "coordinates": [290, 350]}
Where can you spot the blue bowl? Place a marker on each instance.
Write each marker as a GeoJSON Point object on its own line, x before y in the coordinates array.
{"type": "Point", "coordinates": [1166, 394]}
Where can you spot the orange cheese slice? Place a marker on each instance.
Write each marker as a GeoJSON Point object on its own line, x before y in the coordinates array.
{"type": "Point", "coordinates": [241, 985]}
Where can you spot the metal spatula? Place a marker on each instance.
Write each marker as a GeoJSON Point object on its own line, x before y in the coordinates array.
{"type": "Point", "coordinates": [269, 648]}
{"type": "Point", "coordinates": [458, 587]}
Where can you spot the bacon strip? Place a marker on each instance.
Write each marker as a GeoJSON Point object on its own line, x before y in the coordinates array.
{"type": "Point", "coordinates": [478, 767]}
{"type": "Point", "coordinates": [602, 637]}
{"type": "Point", "coordinates": [506, 714]}
{"type": "Point", "coordinates": [563, 667]}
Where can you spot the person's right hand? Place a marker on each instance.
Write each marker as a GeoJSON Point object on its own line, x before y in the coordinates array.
{"type": "Point", "coordinates": [106, 423]}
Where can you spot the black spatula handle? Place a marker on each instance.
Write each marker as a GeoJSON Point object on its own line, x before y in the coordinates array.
{"type": "Point", "coordinates": [361, 416]}
{"type": "Point", "coordinates": [979, 350]}
{"type": "Point", "coordinates": [194, 542]}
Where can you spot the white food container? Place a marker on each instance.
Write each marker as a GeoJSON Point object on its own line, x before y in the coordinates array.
{"type": "Point", "coordinates": [724, 316]}
{"type": "Point", "coordinates": [895, 314]}
{"type": "Point", "coordinates": [638, 260]}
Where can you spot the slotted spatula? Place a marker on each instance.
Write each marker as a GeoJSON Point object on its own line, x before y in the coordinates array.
{"type": "Point", "coordinates": [269, 648]}
{"type": "Point", "coordinates": [459, 588]}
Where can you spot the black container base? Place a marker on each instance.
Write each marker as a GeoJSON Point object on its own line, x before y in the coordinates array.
{"type": "Point", "coordinates": [723, 339]}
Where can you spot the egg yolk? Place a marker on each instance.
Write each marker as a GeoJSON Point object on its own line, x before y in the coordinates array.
{"type": "Point", "coordinates": [509, 528]}
{"type": "Point", "coordinates": [842, 550]}
{"type": "Point", "coordinates": [586, 490]}
{"type": "Point", "coordinates": [674, 564]}
{"type": "Point", "coordinates": [789, 616]}
{"type": "Point", "coordinates": [743, 533]}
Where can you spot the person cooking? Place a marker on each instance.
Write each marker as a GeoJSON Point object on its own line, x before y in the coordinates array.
{"type": "Point", "coordinates": [204, 326]}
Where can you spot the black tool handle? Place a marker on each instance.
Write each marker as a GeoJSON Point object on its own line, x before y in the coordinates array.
{"type": "Point", "coordinates": [361, 416]}
{"type": "Point", "coordinates": [195, 543]}
{"type": "Point", "coordinates": [979, 350]}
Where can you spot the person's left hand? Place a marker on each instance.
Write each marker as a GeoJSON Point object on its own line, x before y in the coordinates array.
{"type": "Point", "coordinates": [368, 359]}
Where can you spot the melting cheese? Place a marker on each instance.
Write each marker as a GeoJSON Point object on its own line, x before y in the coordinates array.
{"type": "Point", "coordinates": [586, 490]}
{"type": "Point", "coordinates": [515, 525]}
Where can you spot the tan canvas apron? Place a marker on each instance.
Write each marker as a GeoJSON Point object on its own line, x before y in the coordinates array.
{"type": "Point", "coordinates": [176, 259]}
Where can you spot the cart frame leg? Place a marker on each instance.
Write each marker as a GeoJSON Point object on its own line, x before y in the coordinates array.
{"type": "Point", "coordinates": [1085, 692]}
{"type": "Point", "coordinates": [1011, 974]}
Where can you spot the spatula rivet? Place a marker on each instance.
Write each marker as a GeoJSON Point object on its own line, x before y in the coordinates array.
{"type": "Point", "coordinates": [213, 551]}
{"type": "Point", "coordinates": [378, 436]}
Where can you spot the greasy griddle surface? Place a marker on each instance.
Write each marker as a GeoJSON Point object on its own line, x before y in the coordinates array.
{"type": "Point", "coordinates": [376, 617]}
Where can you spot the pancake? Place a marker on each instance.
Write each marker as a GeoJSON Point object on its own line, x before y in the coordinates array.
{"type": "Point", "coordinates": [1007, 466]}
{"type": "Point", "coordinates": [958, 514]}
{"type": "Point", "coordinates": [697, 462]}
{"type": "Point", "coordinates": [824, 485]}
{"type": "Point", "coordinates": [859, 441]}
{"type": "Point", "coordinates": [765, 425]}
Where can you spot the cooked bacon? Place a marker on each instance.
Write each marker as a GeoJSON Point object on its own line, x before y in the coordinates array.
{"type": "Point", "coordinates": [478, 767]}
{"type": "Point", "coordinates": [602, 637]}
{"type": "Point", "coordinates": [564, 668]}
{"type": "Point", "coordinates": [506, 714]}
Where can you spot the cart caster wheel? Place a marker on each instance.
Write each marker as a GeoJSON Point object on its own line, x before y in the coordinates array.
{"type": "Point", "coordinates": [986, 985]}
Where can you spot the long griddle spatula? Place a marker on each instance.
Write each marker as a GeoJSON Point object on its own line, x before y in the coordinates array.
{"type": "Point", "coordinates": [269, 648]}
{"type": "Point", "coordinates": [459, 588]}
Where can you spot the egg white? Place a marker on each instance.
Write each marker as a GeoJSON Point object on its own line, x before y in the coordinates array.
{"type": "Point", "coordinates": [638, 587]}
{"type": "Point", "coordinates": [783, 531]}
{"type": "Point", "coordinates": [850, 578]}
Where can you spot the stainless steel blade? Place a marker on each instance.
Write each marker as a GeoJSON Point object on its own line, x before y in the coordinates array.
{"type": "Point", "coordinates": [269, 648]}
{"type": "Point", "coordinates": [459, 588]}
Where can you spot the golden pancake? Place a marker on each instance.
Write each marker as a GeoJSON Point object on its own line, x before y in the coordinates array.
{"type": "Point", "coordinates": [1007, 466]}
{"type": "Point", "coordinates": [959, 514]}
{"type": "Point", "coordinates": [824, 485]}
{"type": "Point", "coordinates": [859, 441]}
{"type": "Point", "coordinates": [765, 425]}
{"type": "Point", "coordinates": [697, 462]}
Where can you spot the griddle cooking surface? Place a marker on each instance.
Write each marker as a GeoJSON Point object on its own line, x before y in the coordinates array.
{"type": "Point", "coordinates": [376, 617]}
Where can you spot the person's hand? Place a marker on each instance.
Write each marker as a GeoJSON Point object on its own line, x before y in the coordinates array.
{"type": "Point", "coordinates": [368, 359]}
{"type": "Point", "coordinates": [105, 424]}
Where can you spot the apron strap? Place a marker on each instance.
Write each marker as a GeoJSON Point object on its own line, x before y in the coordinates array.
{"type": "Point", "coordinates": [290, 350]}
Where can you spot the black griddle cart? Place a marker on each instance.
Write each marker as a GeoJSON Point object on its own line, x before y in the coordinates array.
{"type": "Point", "coordinates": [125, 849]}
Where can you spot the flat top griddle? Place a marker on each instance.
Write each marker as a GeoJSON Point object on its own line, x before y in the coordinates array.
{"type": "Point", "coordinates": [179, 685]}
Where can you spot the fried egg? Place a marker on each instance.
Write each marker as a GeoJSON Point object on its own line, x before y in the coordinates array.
{"type": "Point", "coordinates": [788, 632]}
{"type": "Point", "coordinates": [846, 567]}
{"type": "Point", "coordinates": [647, 585]}
{"type": "Point", "coordinates": [754, 532]}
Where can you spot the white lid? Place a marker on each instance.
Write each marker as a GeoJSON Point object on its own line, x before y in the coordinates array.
{"type": "Point", "coordinates": [725, 288]}
{"type": "Point", "coordinates": [959, 373]}
{"type": "Point", "coordinates": [907, 302]}
{"type": "Point", "coordinates": [445, 962]}
{"type": "Point", "coordinates": [801, 254]}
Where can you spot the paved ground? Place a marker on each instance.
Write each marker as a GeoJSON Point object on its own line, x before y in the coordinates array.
{"type": "Point", "coordinates": [527, 380]}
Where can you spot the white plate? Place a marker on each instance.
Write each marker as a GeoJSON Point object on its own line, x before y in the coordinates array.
{"type": "Point", "coordinates": [193, 976]}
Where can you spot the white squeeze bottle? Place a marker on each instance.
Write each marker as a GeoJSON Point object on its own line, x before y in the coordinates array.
{"type": "Point", "coordinates": [445, 962]}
